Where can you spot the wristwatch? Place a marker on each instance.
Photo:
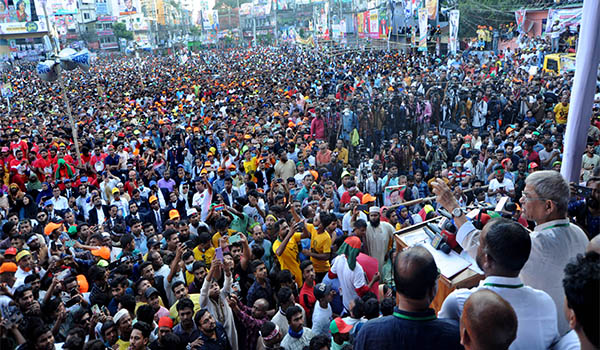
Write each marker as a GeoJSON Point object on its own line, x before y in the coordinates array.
{"type": "Point", "coordinates": [457, 212]}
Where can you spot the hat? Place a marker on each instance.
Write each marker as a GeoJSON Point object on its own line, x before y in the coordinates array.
{"type": "Point", "coordinates": [8, 267]}
{"type": "Point", "coordinates": [374, 209]}
{"type": "Point", "coordinates": [83, 179]}
{"type": "Point", "coordinates": [173, 213]}
{"type": "Point", "coordinates": [191, 211]}
{"type": "Point", "coordinates": [152, 243]}
{"type": "Point", "coordinates": [339, 326]}
{"type": "Point", "coordinates": [72, 230]}
{"type": "Point", "coordinates": [51, 227]}
{"type": "Point", "coordinates": [4, 149]}
{"type": "Point", "coordinates": [165, 321]}
{"type": "Point", "coordinates": [533, 165]}
{"type": "Point", "coordinates": [152, 183]}
{"type": "Point", "coordinates": [321, 289]}
{"type": "Point", "coordinates": [368, 198]}
{"type": "Point", "coordinates": [517, 149]}
{"type": "Point", "coordinates": [119, 315]}
{"type": "Point", "coordinates": [22, 254]}
{"type": "Point", "coordinates": [150, 291]}
{"type": "Point", "coordinates": [115, 190]}
{"type": "Point", "coordinates": [152, 199]}
{"type": "Point", "coordinates": [344, 174]}
{"type": "Point", "coordinates": [10, 251]}
{"type": "Point", "coordinates": [355, 198]}
{"type": "Point", "coordinates": [102, 252]}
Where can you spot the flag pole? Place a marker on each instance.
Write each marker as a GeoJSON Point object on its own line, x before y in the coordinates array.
{"type": "Point", "coordinates": [582, 93]}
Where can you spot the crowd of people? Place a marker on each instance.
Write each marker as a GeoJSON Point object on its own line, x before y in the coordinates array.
{"type": "Point", "coordinates": [249, 198]}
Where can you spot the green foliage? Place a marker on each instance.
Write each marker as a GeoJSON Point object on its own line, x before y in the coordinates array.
{"type": "Point", "coordinates": [121, 31]}
{"type": "Point", "coordinates": [485, 12]}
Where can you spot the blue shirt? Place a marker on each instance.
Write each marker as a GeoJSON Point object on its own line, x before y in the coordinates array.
{"type": "Point", "coordinates": [409, 330]}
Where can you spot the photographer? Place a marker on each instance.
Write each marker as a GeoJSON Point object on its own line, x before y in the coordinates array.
{"type": "Point", "coordinates": [586, 208]}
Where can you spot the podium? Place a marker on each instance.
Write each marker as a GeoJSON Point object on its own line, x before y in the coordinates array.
{"type": "Point", "coordinates": [467, 278]}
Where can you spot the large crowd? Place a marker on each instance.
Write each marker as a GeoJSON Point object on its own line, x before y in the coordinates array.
{"type": "Point", "coordinates": [249, 199]}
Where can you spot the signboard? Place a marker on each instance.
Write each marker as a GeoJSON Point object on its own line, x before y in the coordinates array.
{"type": "Point", "coordinates": [101, 8]}
{"type": "Point", "coordinates": [23, 27]}
{"type": "Point", "coordinates": [283, 5]}
{"type": "Point", "coordinates": [105, 32]}
{"type": "Point", "coordinates": [374, 24]}
{"type": "Point", "coordinates": [129, 7]}
{"type": "Point", "coordinates": [106, 19]}
{"type": "Point", "coordinates": [107, 46]}
{"type": "Point", "coordinates": [57, 7]}
{"type": "Point", "coordinates": [7, 90]}
{"type": "Point", "coordinates": [246, 9]}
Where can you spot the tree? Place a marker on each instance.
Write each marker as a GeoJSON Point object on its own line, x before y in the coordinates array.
{"type": "Point", "coordinates": [484, 12]}
{"type": "Point", "coordinates": [121, 31]}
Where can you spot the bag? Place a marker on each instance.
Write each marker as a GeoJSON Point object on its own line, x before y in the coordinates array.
{"type": "Point", "coordinates": [354, 138]}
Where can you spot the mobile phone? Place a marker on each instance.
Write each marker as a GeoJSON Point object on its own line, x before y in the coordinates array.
{"type": "Point", "coordinates": [219, 254]}
{"type": "Point", "coordinates": [362, 207]}
{"type": "Point", "coordinates": [74, 300]}
{"type": "Point", "coordinates": [582, 191]}
{"type": "Point", "coordinates": [235, 238]}
{"type": "Point", "coordinates": [95, 309]}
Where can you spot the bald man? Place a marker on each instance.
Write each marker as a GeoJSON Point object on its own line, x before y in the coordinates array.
{"type": "Point", "coordinates": [488, 322]}
{"type": "Point", "coordinates": [413, 322]}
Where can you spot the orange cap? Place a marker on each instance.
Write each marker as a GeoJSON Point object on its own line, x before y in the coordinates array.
{"type": "Point", "coordinates": [173, 213]}
{"type": "Point", "coordinates": [8, 267]}
{"type": "Point", "coordinates": [152, 199]}
{"type": "Point", "coordinates": [102, 252]}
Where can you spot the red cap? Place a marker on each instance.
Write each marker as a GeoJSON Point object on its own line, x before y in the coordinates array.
{"type": "Point", "coordinates": [165, 321]}
{"type": "Point", "coordinates": [11, 251]}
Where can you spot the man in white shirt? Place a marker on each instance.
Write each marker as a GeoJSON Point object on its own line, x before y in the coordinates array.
{"type": "Point", "coordinates": [504, 249]}
{"type": "Point", "coordinates": [60, 202]}
{"type": "Point", "coordinates": [500, 186]}
{"type": "Point", "coordinates": [554, 242]}
{"type": "Point", "coordinates": [203, 196]}
{"type": "Point", "coordinates": [379, 233]}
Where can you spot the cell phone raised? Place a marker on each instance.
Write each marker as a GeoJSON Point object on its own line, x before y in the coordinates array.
{"type": "Point", "coordinates": [582, 191]}
{"type": "Point", "coordinates": [235, 238]}
{"type": "Point", "coordinates": [219, 254]}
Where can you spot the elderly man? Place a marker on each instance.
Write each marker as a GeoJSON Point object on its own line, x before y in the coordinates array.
{"type": "Point", "coordinates": [554, 241]}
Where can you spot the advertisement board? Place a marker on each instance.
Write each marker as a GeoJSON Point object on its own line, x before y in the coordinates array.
{"type": "Point", "coordinates": [210, 20]}
{"type": "Point", "coordinates": [22, 27]}
{"type": "Point", "coordinates": [57, 7]}
{"type": "Point", "coordinates": [128, 7]}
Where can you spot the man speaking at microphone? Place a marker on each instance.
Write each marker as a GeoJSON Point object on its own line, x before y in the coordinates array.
{"type": "Point", "coordinates": [554, 240]}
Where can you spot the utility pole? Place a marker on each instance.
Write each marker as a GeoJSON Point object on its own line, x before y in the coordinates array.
{"type": "Point", "coordinates": [254, 31]}
{"type": "Point", "coordinates": [275, 30]}
{"type": "Point", "coordinates": [240, 33]}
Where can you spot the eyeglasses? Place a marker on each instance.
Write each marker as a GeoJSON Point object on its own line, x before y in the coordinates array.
{"type": "Point", "coordinates": [526, 197]}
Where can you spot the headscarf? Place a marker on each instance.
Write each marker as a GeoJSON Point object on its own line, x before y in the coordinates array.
{"type": "Point", "coordinates": [35, 185]}
{"type": "Point", "coordinates": [61, 162]}
{"type": "Point", "coordinates": [402, 220]}
{"type": "Point", "coordinates": [350, 248]}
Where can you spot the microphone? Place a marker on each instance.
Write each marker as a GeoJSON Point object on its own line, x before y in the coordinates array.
{"type": "Point", "coordinates": [449, 237]}
{"type": "Point", "coordinates": [437, 241]}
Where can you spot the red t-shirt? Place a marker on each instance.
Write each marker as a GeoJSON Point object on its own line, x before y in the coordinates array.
{"type": "Point", "coordinates": [346, 197]}
{"type": "Point", "coordinates": [307, 298]}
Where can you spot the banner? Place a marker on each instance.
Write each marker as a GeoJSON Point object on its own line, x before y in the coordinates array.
{"type": "Point", "coordinates": [432, 9]}
{"type": "Point", "coordinates": [283, 5]}
{"type": "Point", "coordinates": [20, 12]}
{"type": "Point", "coordinates": [520, 19]}
{"type": "Point", "coordinates": [454, 18]}
{"type": "Point", "coordinates": [210, 20]}
{"type": "Point", "coordinates": [422, 29]}
{"type": "Point", "coordinates": [374, 24]}
{"type": "Point", "coordinates": [565, 18]}
{"type": "Point", "coordinates": [360, 24]}
{"type": "Point", "coordinates": [246, 9]}
{"type": "Point", "coordinates": [128, 7]}
{"type": "Point", "coordinates": [393, 195]}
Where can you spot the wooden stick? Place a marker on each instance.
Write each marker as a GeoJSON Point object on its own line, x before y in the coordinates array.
{"type": "Point", "coordinates": [420, 200]}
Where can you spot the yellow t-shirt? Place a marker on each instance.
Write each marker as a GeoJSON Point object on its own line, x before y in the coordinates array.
{"type": "Point", "coordinates": [561, 113]}
{"type": "Point", "coordinates": [321, 244]}
{"type": "Point", "coordinates": [289, 258]}
{"type": "Point", "coordinates": [195, 298]}
{"type": "Point", "coordinates": [123, 345]}
{"type": "Point", "coordinates": [206, 256]}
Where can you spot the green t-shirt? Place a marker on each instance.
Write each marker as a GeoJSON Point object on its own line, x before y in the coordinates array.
{"type": "Point", "coordinates": [240, 224]}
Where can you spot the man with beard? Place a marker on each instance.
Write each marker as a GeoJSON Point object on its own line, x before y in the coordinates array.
{"type": "Point", "coordinates": [140, 336]}
{"type": "Point", "coordinates": [587, 210]}
{"type": "Point", "coordinates": [165, 327]}
{"type": "Point", "coordinates": [378, 236]}
{"type": "Point", "coordinates": [503, 250]}
{"type": "Point", "coordinates": [123, 321]}
{"type": "Point", "coordinates": [212, 334]}
{"type": "Point", "coordinates": [26, 302]}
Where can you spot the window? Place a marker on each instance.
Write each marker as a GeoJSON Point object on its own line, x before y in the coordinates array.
{"type": "Point", "coordinates": [86, 15]}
